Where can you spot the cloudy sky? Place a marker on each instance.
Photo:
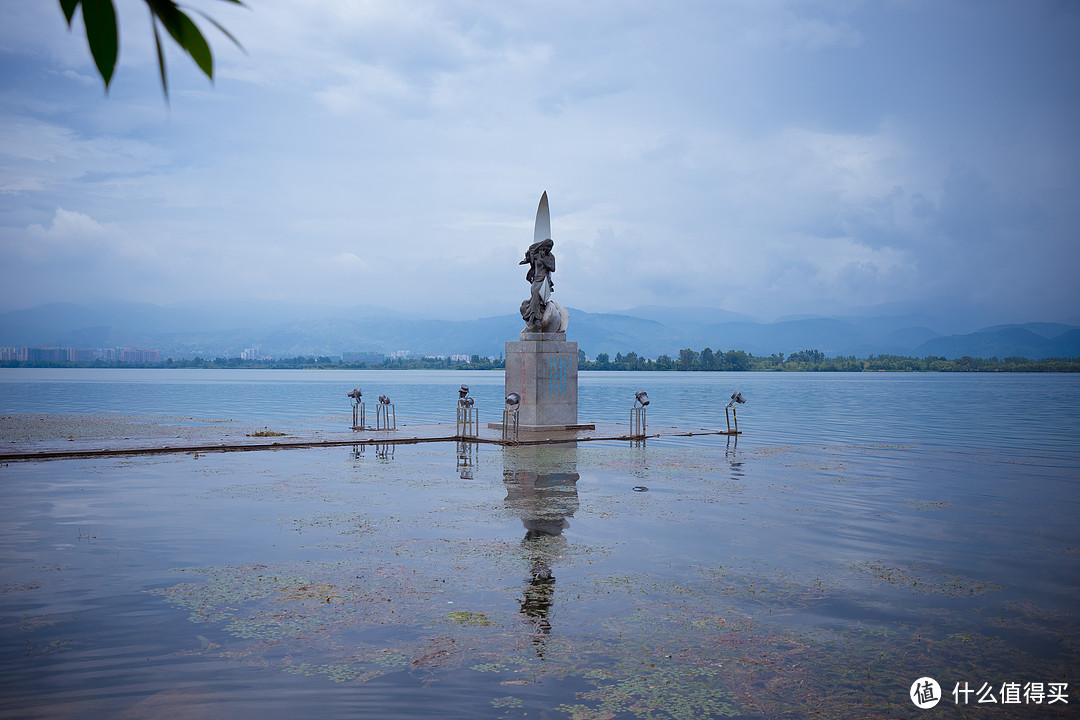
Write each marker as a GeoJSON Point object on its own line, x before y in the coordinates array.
{"type": "Point", "coordinates": [769, 157]}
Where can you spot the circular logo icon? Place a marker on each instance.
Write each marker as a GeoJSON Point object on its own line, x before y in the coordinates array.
{"type": "Point", "coordinates": [925, 693]}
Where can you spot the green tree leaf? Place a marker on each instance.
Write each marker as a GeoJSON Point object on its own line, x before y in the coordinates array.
{"type": "Point", "coordinates": [185, 33]}
{"type": "Point", "coordinates": [103, 37]}
{"type": "Point", "coordinates": [68, 6]}
{"type": "Point", "coordinates": [160, 57]}
{"type": "Point", "coordinates": [196, 46]}
{"type": "Point", "coordinates": [99, 17]}
{"type": "Point", "coordinates": [220, 27]}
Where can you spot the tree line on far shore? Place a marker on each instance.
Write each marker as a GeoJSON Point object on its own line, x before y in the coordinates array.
{"type": "Point", "coordinates": [687, 360]}
{"type": "Point", "coordinates": [815, 361]}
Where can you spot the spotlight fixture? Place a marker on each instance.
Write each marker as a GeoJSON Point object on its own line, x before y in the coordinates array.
{"type": "Point", "coordinates": [642, 397]}
{"type": "Point", "coordinates": [355, 394]}
{"type": "Point", "coordinates": [384, 399]}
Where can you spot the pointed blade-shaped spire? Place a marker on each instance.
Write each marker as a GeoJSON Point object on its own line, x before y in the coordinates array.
{"type": "Point", "coordinates": [543, 221]}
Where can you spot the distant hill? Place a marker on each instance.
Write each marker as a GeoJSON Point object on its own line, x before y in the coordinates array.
{"type": "Point", "coordinates": [1003, 341]}
{"type": "Point", "coordinates": [678, 316]}
{"type": "Point", "coordinates": [286, 329]}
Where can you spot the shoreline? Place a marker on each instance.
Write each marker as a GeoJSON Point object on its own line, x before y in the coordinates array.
{"type": "Point", "coordinates": [831, 365]}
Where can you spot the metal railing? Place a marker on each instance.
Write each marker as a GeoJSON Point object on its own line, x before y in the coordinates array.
{"type": "Point", "coordinates": [468, 422]}
{"type": "Point", "coordinates": [729, 412]}
{"type": "Point", "coordinates": [510, 425]}
{"type": "Point", "coordinates": [385, 417]}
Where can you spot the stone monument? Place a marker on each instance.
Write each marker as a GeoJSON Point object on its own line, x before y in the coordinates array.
{"type": "Point", "coordinates": [541, 366]}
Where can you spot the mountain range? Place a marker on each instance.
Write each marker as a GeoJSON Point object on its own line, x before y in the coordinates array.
{"type": "Point", "coordinates": [290, 329]}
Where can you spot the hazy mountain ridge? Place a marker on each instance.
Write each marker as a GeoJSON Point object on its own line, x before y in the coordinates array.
{"type": "Point", "coordinates": [283, 329]}
{"type": "Point", "coordinates": [1005, 341]}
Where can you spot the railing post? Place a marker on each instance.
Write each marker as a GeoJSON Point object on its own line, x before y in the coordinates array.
{"type": "Point", "coordinates": [385, 417]}
{"type": "Point", "coordinates": [467, 421]}
{"type": "Point", "coordinates": [510, 425]}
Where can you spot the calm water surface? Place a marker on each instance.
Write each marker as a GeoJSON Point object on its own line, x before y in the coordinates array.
{"type": "Point", "coordinates": [865, 531]}
{"type": "Point", "coordinates": [1007, 410]}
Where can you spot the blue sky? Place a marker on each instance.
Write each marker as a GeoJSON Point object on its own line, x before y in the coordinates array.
{"type": "Point", "coordinates": [768, 157]}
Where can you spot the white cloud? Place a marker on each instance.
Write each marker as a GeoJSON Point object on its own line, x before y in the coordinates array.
{"type": "Point", "coordinates": [74, 239]}
{"type": "Point", "coordinates": [68, 225]}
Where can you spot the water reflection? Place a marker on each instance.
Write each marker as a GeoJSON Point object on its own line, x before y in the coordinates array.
{"type": "Point", "coordinates": [637, 457]}
{"type": "Point", "coordinates": [466, 454]}
{"type": "Point", "coordinates": [541, 487]}
{"type": "Point", "coordinates": [731, 454]}
{"type": "Point", "coordinates": [383, 451]}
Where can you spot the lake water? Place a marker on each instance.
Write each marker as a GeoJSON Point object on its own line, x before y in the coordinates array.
{"type": "Point", "coordinates": [865, 531]}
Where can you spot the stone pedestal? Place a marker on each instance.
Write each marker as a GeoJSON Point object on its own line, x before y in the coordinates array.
{"type": "Point", "coordinates": [543, 369]}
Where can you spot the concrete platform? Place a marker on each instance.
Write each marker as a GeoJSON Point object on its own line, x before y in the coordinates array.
{"type": "Point", "coordinates": [237, 441]}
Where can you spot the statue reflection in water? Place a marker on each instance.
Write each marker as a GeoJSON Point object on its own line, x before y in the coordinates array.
{"type": "Point", "coordinates": [541, 487]}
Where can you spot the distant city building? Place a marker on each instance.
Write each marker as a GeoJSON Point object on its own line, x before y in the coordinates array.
{"type": "Point", "coordinates": [40, 354]}
{"type": "Point", "coordinates": [132, 355]}
{"type": "Point", "coordinates": [401, 354]}
{"type": "Point", "coordinates": [47, 354]}
{"type": "Point", "coordinates": [364, 357]}
{"type": "Point", "coordinates": [459, 358]}
{"type": "Point", "coordinates": [250, 354]}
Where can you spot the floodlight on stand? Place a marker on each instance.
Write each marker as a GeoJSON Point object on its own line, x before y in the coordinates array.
{"type": "Point", "coordinates": [510, 417]}
{"type": "Point", "coordinates": [383, 412]}
{"type": "Point", "coordinates": [357, 408]}
{"type": "Point", "coordinates": [637, 414]}
{"type": "Point", "coordinates": [737, 399]}
{"type": "Point", "coordinates": [468, 420]}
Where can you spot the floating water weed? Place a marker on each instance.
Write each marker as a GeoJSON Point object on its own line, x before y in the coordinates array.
{"type": "Point", "coordinates": [919, 578]}
{"type": "Point", "coordinates": [440, 584]}
{"type": "Point", "coordinates": [469, 618]}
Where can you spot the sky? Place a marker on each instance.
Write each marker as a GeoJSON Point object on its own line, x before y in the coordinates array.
{"type": "Point", "coordinates": [767, 157]}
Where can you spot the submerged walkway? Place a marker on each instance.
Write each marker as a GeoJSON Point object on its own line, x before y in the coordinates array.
{"type": "Point", "coordinates": [220, 440]}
